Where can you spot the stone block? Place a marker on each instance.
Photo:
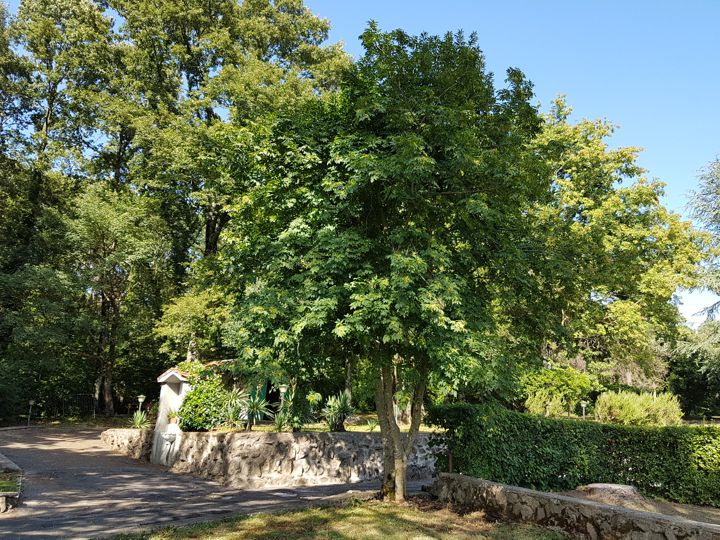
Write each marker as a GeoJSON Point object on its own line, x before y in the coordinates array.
{"type": "Point", "coordinates": [581, 518]}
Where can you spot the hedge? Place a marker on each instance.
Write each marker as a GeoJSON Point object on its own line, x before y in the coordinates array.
{"type": "Point", "coordinates": [679, 463]}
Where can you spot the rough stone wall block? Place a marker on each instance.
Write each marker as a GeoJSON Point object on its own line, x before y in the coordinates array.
{"type": "Point", "coordinates": [276, 459]}
{"type": "Point", "coordinates": [136, 443]}
{"type": "Point", "coordinates": [581, 518]}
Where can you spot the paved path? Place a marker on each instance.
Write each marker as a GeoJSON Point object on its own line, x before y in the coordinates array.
{"type": "Point", "coordinates": [75, 487]}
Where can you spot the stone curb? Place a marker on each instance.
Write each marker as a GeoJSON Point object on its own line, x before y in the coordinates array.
{"type": "Point", "coordinates": [580, 517]}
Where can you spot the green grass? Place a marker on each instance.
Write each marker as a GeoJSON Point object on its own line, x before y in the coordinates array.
{"type": "Point", "coordinates": [371, 520]}
{"type": "Point", "coordinates": [356, 423]}
{"type": "Point", "coordinates": [85, 422]}
{"type": "Point", "coordinates": [9, 482]}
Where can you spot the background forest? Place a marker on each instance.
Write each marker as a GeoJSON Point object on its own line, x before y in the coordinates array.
{"type": "Point", "coordinates": [213, 181]}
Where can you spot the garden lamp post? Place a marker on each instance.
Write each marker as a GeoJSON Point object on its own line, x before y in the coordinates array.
{"type": "Point", "coordinates": [141, 398]}
{"type": "Point", "coordinates": [583, 404]}
{"type": "Point", "coordinates": [283, 390]}
{"type": "Point", "coordinates": [31, 403]}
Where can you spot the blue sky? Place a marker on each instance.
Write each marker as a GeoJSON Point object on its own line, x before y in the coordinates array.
{"type": "Point", "coordinates": [650, 67]}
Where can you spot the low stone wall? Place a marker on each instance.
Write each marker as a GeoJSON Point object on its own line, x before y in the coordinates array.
{"type": "Point", "coordinates": [260, 459]}
{"type": "Point", "coordinates": [251, 460]}
{"type": "Point", "coordinates": [580, 517]}
{"type": "Point", "coordinates": [136, 443]}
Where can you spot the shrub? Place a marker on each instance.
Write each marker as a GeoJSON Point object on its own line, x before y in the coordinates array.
{"type": "Point", "coordinates": [556, 392]}
{"type": "Point", "coordinates": [545, 403]}
{"type": "Point", "coordinates": [631, 409]}
{"type": "Point", "coordinates": [205, 406]}
{"type": "Point", "coordinates": [337, 410]}
{"type": "Point", "coordinates": [236, 403]}
{"type": "Point", "coordinates": [679, 463]}
{"type": "Point", "coordinates": [314, 400]}
{"type": "Point", "coordinates": [257, 409]}
{"type": "Point", "coordinates": [140, 420]}
{"type": "Point", "coordinates": [281, 421]}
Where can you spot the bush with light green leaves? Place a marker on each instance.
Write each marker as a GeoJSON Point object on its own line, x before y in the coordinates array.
{"type": "Point", "coordinates": [631, 409]}
{"type": "Point", "coordinates": [556, 392]}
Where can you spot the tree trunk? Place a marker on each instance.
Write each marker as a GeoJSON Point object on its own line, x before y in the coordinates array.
{"type": "Point", "coordinates": [387, 491]}
{"type": "Point", "coordinates": [397, 446]}
{"type": "Point", "coordinates": [350, 373]}
{"type": "Point", "coordinates": [107, 391]}
{"type": "Point", "coordinates": [215, 222]}
{"type": "Point", "coordinates": [400, 476]}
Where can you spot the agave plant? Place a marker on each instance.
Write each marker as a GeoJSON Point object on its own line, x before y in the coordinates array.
{"type": "Point", "coordinates": [140, 420]}
{"type": "Point", "coordinates": [337, 410]}
{"type": "Point", "coordinates": [236, 405]}
{"type": "Point", "coordinates": [372, 424]}
{"type": "Point", "coordinates": [257, 408]}
{"type": "Point", "coordinates": [281, 421]}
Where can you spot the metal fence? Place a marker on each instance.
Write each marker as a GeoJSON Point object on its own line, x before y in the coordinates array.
{"type": "Point", "coordinates": [74, 405]}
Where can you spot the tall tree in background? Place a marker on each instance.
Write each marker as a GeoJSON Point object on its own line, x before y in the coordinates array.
{"type": "Point", "coordinates": [113, 240]}
{"type": "Point", "coordinates": [617, 255]}
{"type": "Point", "coordinates": [211, 67]}
{"type": "Point", "coordinates": [136, 96]}
{"type": "Point", "coordinates": [695, 370]}
{"type": "Point", "coordinates": [706, 209]}
{"type": "Point", "coordinates": [48, 54]}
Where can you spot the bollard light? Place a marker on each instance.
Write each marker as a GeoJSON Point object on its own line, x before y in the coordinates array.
{"type": "Point", "coordinates": [31, 403]}
{"type": "Point", "coordinates": [141, 398]}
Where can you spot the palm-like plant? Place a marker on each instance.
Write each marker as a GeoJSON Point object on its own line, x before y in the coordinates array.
{"type": "Point", "coordinates": [282, 421]}
{"type": "Point", "coordinates": [140, 420]}
{"type": "Point", "coordinates": [257, 408]}
{"type": "Point", "coordinates": [236, 405]}
{"type": "Point", "coordinates": [337, 410]}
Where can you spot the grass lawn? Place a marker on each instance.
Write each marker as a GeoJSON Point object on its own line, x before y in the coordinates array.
{"type": "Point", "coordinates": [357, 422]}
{"type": "Point", "coordinates": [9, 482]}
{"type": "Point", "coordinates": [419, 519]}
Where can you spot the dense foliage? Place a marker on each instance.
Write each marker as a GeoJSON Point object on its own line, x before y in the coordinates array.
{"type": "Point", "coordinates": [638, 409]}
{"type": "Point", "coordinates": [676, 463]}
{"type": "Point", "coordinates": [206, 406]}
{"type": "Point", "coordinates": [556, 392]}
{"type": "Point", "coordinates": [114, 180]}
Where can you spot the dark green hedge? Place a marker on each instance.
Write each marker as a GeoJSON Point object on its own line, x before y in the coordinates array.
{"type": "Point", "coordinates": [676, 463]}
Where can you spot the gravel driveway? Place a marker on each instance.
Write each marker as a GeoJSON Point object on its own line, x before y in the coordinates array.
{"type": "Point", "coordinates": [74, 487]}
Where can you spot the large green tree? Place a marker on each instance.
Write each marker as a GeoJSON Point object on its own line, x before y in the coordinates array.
{"type": "Point", "coordinates": [392, 218]}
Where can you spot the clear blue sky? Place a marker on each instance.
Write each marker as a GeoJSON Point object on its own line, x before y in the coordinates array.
{"type": "Point", "coordinates": [649, 66]}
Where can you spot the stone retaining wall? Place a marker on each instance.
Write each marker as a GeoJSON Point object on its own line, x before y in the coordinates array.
{"type": "Point", "coordinates": [284, 459]}
{"type": "Point", "coordinates": [260, 459]}
{"type": "Point", "coordinates": [580, 517]}
{"type": "Point", "coordinates": [136, 443]}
